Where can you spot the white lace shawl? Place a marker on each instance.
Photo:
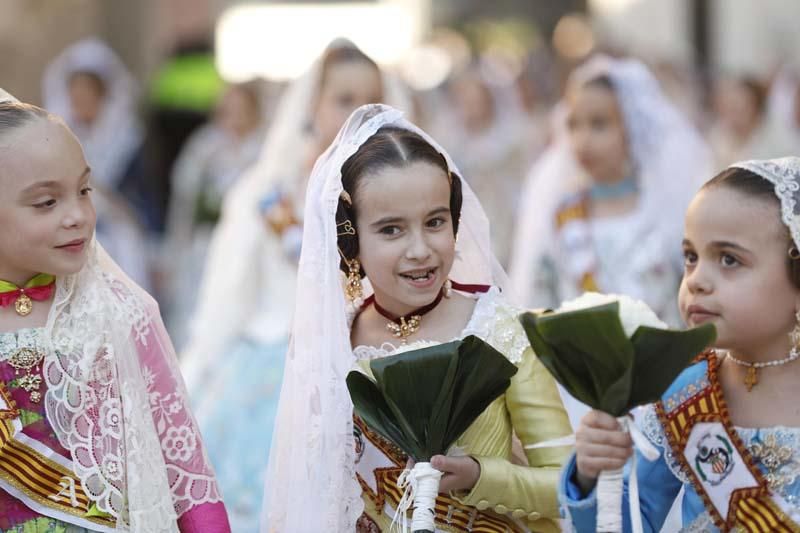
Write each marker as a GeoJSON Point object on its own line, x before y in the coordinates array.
{"type": "Point", "coordinates": [310, 483]}
{"type": "Point", "coordinates": [116, 401]}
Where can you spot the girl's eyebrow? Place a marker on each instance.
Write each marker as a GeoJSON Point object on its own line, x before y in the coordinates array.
{"type": "Point", "coordinates": [386, 220]}
{"type": "Point", "coordinates": [51, 184]}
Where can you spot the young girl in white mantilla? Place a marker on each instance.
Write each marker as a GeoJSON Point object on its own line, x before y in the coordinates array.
{"type": "Point", "coordinates": [95, 432]}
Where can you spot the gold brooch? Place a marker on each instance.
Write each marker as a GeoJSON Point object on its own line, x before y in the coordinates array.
{"type": "Point", "coordinates": [27, 359]}
{"type": "Point", "coordinates": [405, 328]}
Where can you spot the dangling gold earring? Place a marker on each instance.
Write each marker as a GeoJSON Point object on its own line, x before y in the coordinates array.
{"type": "Point", "coordinates": [354, 289]}
{"type": "Point", "coordinates": [795, 334]}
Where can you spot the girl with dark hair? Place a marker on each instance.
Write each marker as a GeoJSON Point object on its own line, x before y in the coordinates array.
{"type": "Point", "coordinates": [728, 427]}
{"type": "Point", "coordinates": [397, 256]}
{"type": "Point", "coordinates": [237, 351]}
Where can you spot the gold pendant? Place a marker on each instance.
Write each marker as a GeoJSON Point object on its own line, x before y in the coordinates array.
{"type": "Point", "coordinates": [27, 359]}
{"type": "Point", "coordinates": [405, 328]}
{"type": "Point", "coordinates": [751, 378]}
{"type": "Point", "coordinates": [23, 305]}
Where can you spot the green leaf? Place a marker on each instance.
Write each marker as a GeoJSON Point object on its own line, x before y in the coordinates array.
{"type": "Point", "coordinates": [661, 355]}
{"type": "Point", "coordinates": [588, 353]}
{"type": "Point", "coordinates": [422, 400]}
{"type": "Point", "coordinates": [571, 373]}
{"type": "Point", "coordinates": [483, 375]}
{"type": "Point", "coordinates": [412, 387]}
{"type": "Point", "coordinates": [369, 404]}
{"type": "Point", "coordinates": [592, 351]}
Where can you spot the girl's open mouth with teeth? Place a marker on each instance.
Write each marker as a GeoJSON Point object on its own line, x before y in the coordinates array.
{"type": "Point", "coordinates": [420, 278]}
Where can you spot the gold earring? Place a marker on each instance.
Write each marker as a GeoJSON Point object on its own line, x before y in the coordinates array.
{"type": "Point", "coordinates": [354, 289]}
{"type": "Point", "coordinates": [795, 334]}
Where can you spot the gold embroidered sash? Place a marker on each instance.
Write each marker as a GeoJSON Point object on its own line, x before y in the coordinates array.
{"type": "Point", "coordinates": [451, 515]}
{"type": "Point", "coordinates": [721, 468]}
{"type": "Point", "coordinates": [33, 475]}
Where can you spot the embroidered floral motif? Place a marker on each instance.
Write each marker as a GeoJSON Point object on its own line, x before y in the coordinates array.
{"type": "Point", "coordinates": [179, 443]}
{"type": "Point", "coordinates": [774, 449]}
{"type": "Point", "coordinates": [111, 414]}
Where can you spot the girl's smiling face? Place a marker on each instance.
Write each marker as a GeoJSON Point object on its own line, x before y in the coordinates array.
{"type": "Point", "coordinates": [736, 274]}
{"type": "Point", "coordinates": [46, 213]}
{"type": "Point", "coordinates": [405, 233]}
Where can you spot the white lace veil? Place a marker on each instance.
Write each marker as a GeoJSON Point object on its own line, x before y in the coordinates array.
{"type": "Point", "coordinates": [669, 156]}
{"type": "Point", "coordinates": [116, 401]}
{"type": "Point", "coordinates": [311, 484]}
{"type": "Point", "coordinates": [784, 174]}
{"type": "Point", "coordinates": [112, 140]}
{"type": "Point", "coordinates": [235, 262]}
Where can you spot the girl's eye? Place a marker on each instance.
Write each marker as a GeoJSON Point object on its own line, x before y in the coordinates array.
{"type": "Point", "coordinates": [689, 258]}
{"type": "Point", "coordinates": [728, 260]}
{"type": "Point", "coordinates": [437, 222]}
{"type": "Point", "coordinates": [599, 123]}
{"type": "Point", "coordinates": [86, 190]}
{"type": "Point", "coordinates": [47, 203]}
{"type": "Point", "coordinates": [346, 100]}
{"type": "Point", "coordinates": [389, 230]}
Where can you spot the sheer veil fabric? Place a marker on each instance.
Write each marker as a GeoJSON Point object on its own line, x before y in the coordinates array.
{"type": "Point", "coordinates": [310, 483]}
{"type": "Point", "coordinates": [668, 155]}
{"type": "Point", "coordinates": [261, 275]}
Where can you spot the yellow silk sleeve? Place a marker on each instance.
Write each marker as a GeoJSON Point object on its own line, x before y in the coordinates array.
{"type": "Point", "coordinates": [528, 493]}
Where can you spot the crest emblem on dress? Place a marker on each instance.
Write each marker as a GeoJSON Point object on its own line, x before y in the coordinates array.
{"type": "Point", "coordinates": [714, 459]}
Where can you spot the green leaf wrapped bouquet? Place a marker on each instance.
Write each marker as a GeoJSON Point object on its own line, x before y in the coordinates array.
{"type": "Point", "coordinates": [422, 401]}
{"type": "Point", "coordinates": [613, 354]}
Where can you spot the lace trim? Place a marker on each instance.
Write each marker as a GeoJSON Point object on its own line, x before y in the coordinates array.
{"type": "Point", "coordinates": [11, 341]}
{"type": "Point", "coordinates": [115, 401]}
{"type": "Point", "coordinates": [784, 174]}
{"type": "Point", "coordinates": [493, 321]}
{"type": "Point", "coordinates": [775, 450]}
{"type": "Point", "coordinates": [652, 429]}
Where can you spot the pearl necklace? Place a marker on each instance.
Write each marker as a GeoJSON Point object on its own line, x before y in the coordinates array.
{"type": "Point", "coordinates": [751, 378]}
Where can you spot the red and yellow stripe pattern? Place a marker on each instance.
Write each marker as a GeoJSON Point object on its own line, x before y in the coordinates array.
{"type": "Point", "coordinates": [750, 508]}
{"type": "Point", "coordinates": [45, 481]}
{"type": "Point", "coordinates": [451, 515]}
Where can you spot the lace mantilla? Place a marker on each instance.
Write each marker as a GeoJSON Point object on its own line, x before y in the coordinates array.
{"type": "Point", "coordinates": [116, 401]}
{"type": "Point", "coordinates": [784, 173]}
{"type": "Point", "coordinates": [493, 320]}
{"type": "Point", "coordinates": [11, 341]}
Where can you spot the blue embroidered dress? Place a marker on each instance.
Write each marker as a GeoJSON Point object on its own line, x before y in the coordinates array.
{"type": "Point", "coordinates": [775, 451]}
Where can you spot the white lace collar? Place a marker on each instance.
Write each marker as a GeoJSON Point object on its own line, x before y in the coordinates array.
{"type": "Point", "coordinates": [493, 320]}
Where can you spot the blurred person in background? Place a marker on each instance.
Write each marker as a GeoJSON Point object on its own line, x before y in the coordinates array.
{"type": "Point", "coordinates": [239, 332]}
{"type": "Point", "coordinates": [603, 206]}
{"type": "Point", "coordinates": [742, 128]}
{"type": "Point", "coordinates": [487, 133]}
{"type": "Point", "coordinates": [783, 103]}
{"type": "Point", "coordinates": [211, 161]}
{"type": "Point", "coordinates": [88, 85]}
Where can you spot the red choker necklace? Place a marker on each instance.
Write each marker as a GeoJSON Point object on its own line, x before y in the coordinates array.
{"type": "Point", "coordinates": [404, 326]}
{"type": "Point", "coordinates": [38, 288]}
